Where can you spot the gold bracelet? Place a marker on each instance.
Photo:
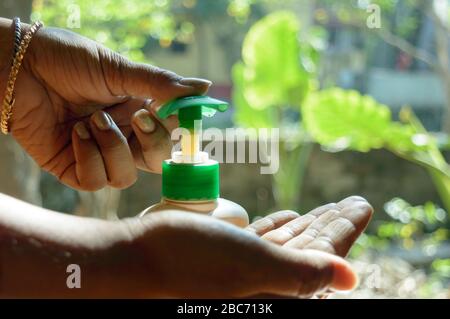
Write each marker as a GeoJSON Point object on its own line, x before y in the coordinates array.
{"type": "Point", "coordinates": [9, 100]}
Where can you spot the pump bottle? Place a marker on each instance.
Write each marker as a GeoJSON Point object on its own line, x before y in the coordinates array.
{"type": "Point", "coordinates": [190, 180]}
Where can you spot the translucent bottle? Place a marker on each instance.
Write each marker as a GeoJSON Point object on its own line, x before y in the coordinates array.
{"type": "Point", "coordinates": [190, 180]}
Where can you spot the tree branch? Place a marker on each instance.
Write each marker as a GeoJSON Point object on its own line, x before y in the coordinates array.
{"type": "Point", "coordinates": [408, 48]}
{"type": "Point", "coordinates": [387, 36]}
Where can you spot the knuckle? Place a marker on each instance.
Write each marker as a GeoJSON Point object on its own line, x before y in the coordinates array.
{"type": "Point", "coordinates": [161, 145]}
{"type": "Point", "coordinates": [114, 70]}
{"type": "Point", "coordinates": [122, 183]}
{"type": "Point", "coordinates": [362, 208]}
{"type": "Point", "coordinates": [163, 75]}
{"type": "Point", "coordinates": [154, 165]}
{"type": "Point", "coordinates": [92, 186]}
{"type": "Point", "coordinates": [287, 213]}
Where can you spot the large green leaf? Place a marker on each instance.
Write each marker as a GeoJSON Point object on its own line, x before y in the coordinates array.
{"type": "Point", "coordinates": [273, 74]}
{"type": "Point", "coordinates": [347, 119]}
{"type": "Point", "coordinates": [244, 114]}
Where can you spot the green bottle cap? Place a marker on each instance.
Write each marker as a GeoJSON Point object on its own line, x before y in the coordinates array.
{"type": "Point", "coordinates": [191, 181]}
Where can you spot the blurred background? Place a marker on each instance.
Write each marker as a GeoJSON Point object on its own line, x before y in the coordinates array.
{"type": "Point", "coordinates": [360, 90]}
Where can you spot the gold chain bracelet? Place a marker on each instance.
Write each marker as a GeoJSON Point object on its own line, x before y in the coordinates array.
{"type": "Point", "coordinates": [9, 100]}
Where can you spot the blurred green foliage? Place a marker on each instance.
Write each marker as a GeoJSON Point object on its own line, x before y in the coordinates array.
{"type": "Point", "coordinates": [278, 69]}
{"type": "Point", "coordinates": [339, 120]}
{"type": "Point", "coordinates": [442, 267]}
{"type": "Point", "coordinates": [245, 114]}
{"type": "Point", "coordinates": [401, 17]}
{"type": "Point", "coordinates": [277, 72]}
{"type": "Point", "coordinates": [273, 74]}
{"type": "Point", "coordinates": [122, 25]}
{"type": "Point", "coordinates": [271, 78]}
{"type": "Point", "coordinates": [130, 27]}
{"type": "Point", "coordinates": [422, 227]}
{"type": "Point", "coordinates": [345, 119]}
{"type": "Point", "coordinates": [425, 223]}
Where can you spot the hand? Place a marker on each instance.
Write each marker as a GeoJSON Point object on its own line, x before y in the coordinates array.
{"type": "Point", "coordinates": [332, 228]}
{"type": "Point", "coordinates": [170, 254]}
{"type": "Point", "coordinates": [82, 112]}
{"type": "Point", "coordinates": [198, 256]}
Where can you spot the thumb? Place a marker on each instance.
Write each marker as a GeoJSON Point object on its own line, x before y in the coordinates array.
{"type": "Point", "coordinates": [124, 77]}
{"type": "Point", "coordinates": [302, 273]}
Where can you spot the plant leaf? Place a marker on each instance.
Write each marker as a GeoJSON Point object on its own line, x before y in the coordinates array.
{"type": "Point", "coordinates": [244, 114]}
{"type": "Point", "coordinates": [347, 119]}
{"type": "Point", "coordinates": [273, 73]}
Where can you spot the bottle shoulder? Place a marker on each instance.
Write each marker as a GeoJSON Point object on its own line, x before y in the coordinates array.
{"type": "Point", "coordinates": [231, 212]}
{"type": "Point", "coordinates": [221, 208]}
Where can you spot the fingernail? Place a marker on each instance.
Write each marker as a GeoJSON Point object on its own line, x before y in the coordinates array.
{"type": "Point", "coordinates": [101, 119]}
{"type": "Point", "coordinates": [195, 82]}
{"type": "Point", "coordinates": [148, 103]}
{"type": "Point", "coordinates": [82, 131]}
{"type": "Point", "coordinates": [144, 121]}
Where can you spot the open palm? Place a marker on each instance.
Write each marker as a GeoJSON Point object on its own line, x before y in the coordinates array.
{"type": "Point", "coordinates": [332, 228]}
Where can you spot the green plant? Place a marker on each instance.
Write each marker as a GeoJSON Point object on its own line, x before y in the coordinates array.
{"type": "Point", "coordinates": [123, 25]}
{"type": "Point", "coordinates": [425, 223]}
{"type": "Point", "coordinates": [131, 27]}
{"type": "Point", "coordinates": [275, 75]}
{"type": "Point", "coordinates": [273, 80]}
{"type": "Point", "coordinates": [347, 120]}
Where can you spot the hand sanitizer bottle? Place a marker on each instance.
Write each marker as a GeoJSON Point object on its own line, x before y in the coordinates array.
{"type": "Point", "coordinates": [190, 180]}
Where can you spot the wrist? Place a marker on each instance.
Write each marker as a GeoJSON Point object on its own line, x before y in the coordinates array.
{"type": "Point", "coordinates": [37, 246]}
{"type": "Point", "coordinates": [22, 35]}
{"type": "Point", "coordinates": [6, 52]}
{"type": "Point", "coordinates": [141, 272]}
{"type": "Point", "coordinates": [122, 270]}
{"type": "Point", "coordinates": [115, 268]}
{"type": "Point", "coordinates": [40, 267]}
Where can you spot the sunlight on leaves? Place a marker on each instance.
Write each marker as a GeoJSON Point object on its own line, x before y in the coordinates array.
{"type": "Point", "coordinates": [273, 74]}
{"type": "Point", "coordinates": [346, 119]}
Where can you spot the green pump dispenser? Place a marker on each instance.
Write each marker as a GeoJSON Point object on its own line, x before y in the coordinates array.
{"type": "Point", "coordinates": [192, 108]}
{"type": "Point", "coordinates": [191, 176]}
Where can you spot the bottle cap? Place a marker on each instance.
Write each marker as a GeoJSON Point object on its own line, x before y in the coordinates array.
{"type": "Point", "coordinates": [190, 175]}
{"type": "Point", "coordinates": [187, 182]}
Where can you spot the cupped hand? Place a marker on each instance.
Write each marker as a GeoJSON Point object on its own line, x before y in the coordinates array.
{"type": "Point", "coordinates": [83, 112]}
{"type": "Point", "coordinates": [283, 254]}
{"type": "Point", "coordinates": [332, 228]}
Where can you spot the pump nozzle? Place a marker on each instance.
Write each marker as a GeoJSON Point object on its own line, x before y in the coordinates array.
{"type": "Point", "coordinates": [190, 112]}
